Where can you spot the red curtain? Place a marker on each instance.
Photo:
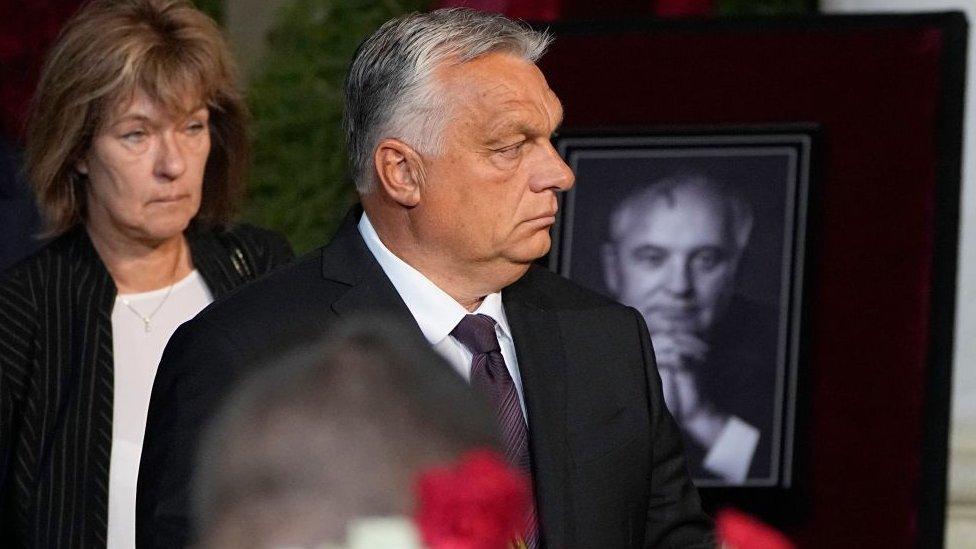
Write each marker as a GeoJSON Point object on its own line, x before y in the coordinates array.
{"type": "Point", "coordinates": [27, 29]}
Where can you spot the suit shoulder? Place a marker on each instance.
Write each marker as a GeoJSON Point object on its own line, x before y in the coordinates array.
{"type": "Point", "coordinates": [16, 274]}
{"type": "Point", "coordinates": [286, 305]}
{"type": "Point", "coordinates": [287, 290]}
{"type": "Point", "coordinates": [270, 249]}
{"type": "Point", "coordinates": [557, 291]}
{"type": "Point", "coordinates": [36, 266]}
{"type": "Point", "coordinates": [18, 284]}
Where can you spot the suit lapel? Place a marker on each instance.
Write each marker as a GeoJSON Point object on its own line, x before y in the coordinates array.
{"type": "Point", "coordinates": [93, 372]}
{"type": "Point", "coordinates": [541, 360]}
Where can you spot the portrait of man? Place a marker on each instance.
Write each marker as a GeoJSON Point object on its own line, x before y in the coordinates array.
{"type": "Point", "coordinates": [674, 252]}
{"type": "Point", "coordinates": [703, 236]}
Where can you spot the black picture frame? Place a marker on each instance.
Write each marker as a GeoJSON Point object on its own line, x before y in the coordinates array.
{"type": "Point", "coordinates": [770, 169]}
{"type": "Point", "coordinates": [882, 241]}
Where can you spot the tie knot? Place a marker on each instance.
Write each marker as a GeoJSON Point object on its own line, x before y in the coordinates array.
{"type": "Point", "coordinates": [477, 333]}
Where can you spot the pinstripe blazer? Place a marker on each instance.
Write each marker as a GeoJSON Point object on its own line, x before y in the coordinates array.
{"type": "Point", "coordinates": [57, 377]}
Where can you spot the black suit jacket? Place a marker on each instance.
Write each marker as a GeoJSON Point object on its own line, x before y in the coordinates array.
{"type": "Point", "coordinates": [57, 378]}
{"type": "Point", "coordinates": [607, 459]}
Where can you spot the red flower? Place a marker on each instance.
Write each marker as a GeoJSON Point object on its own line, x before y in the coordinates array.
{"type": "Point", "coordinates": [738, 530]}
{"type": "Point", "coordinates": [482, 503]}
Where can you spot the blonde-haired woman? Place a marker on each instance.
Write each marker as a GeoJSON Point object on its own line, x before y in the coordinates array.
{"type": "Point", "coordinates": [135, 149]}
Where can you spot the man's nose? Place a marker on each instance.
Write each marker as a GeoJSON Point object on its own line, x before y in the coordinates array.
{"type": "Point", "coordinates": [170, 158]}
{"type": "Point", "coordinates": [553, 173]}
{"type": "Point", "coordinates": [679, 279]}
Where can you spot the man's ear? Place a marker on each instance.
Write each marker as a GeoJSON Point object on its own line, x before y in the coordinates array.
{"type": "Point", "coordinates": [400, 171]}
{"type": "Point", "coordinates": [611, 272]}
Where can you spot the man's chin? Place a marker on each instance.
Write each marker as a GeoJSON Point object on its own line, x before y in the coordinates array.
{"type": "Point", "coordinates": [670, 325]}
{"type": "Point", "coordinates": [532, 249]}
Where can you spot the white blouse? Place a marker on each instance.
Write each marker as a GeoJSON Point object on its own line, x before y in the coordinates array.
{"type": "Point", "coordinates": [137, 347]}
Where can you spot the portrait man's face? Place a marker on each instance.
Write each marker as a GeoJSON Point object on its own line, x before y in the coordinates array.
{"type": "Point", "coordinates": [675, 261]}
{"type": "Point", "coordinates": [489, 196]}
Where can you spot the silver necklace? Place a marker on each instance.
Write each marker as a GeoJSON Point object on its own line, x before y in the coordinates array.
{"type": "Point", "coordinates": [147, 319]}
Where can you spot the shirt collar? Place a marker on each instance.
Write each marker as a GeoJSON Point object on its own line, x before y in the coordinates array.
{"type": "Point", "coordinates": [436, 312]}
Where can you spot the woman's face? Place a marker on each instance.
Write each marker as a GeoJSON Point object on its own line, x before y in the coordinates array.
{"type": "Point", "coordinates": [145, 170]}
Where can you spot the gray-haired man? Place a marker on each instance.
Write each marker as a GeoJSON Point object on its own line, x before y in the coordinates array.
{"type": "Point", "coordinates": [449, 124]}
{"type": "Point", "coordinates": [674, 253]}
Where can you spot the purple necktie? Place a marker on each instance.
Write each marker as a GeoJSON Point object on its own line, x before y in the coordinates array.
{"type": "Point", "coordinates": [489, 374]}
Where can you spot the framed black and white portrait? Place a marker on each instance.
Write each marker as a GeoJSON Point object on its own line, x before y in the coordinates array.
{"type": "Point", "coordinates": [703, 233]}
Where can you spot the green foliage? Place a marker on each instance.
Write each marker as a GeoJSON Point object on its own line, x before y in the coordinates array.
{"type": "Point", "coordinates": [299, 183]}
{"type": "Point", "coordinates": [213, 8]}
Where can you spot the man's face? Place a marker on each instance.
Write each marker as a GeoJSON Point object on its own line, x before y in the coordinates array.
{"type": "Point", "coordinates": [676, 263]}
{"type": "Point", "coordinates": [488, 197]}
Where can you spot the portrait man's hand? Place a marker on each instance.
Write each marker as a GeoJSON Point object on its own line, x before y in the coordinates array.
{"type": "Point", "coordinates": [679, 350]}
{"type": "Point", "coordinates": [678, 355]}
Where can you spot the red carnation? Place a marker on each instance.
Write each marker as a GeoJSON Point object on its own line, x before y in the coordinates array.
{"type": "Point", "coordinates": [482, 503]}
{"type": "Point", "coordinates": [738, 530]}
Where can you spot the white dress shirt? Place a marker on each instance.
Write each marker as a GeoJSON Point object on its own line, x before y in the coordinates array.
{"type": "Point", "coordinates": [437, 313]}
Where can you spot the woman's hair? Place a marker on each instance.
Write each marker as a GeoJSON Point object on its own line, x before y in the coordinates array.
{"type": "Point", "coordinates": [110, 49]}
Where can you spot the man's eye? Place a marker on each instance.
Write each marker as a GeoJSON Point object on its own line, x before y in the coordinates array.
{"type": "Point", "coordinates": [511, 151]}
{"type": "Point", "coordinates": [655, 260]}
{"type": "Point", "coordinates": [708, 259]}
{"type": "Point", "coordinates": [652, 260]}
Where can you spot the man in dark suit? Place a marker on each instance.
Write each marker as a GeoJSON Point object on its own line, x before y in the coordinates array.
{"type": "Point", "coordinates": [449, 124]}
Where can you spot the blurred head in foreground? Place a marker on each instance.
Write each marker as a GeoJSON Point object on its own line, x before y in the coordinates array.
{"type": "Point", "coordinates": [333, 432]}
